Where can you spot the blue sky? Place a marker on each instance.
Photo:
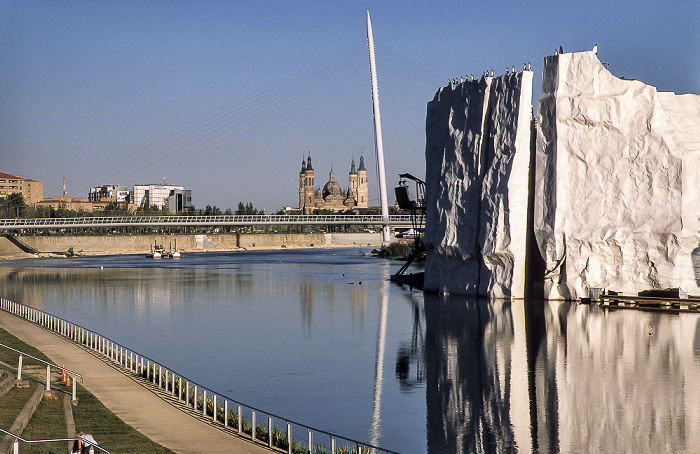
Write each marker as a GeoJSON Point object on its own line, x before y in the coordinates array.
{"type": "Point", "coordinates": [225, 98]}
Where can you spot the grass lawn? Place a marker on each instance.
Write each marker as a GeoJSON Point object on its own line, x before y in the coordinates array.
{"type": "Point", "coordinates": [12, 403]}
{"type": "Point", "coordinates": [11, 357]}
{"type": "Point", "coordinates": [49, 421]}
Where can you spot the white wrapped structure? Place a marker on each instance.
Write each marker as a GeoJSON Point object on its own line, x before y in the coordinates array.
{"type": "Point", "coordinates": [617, 202]}
{"type": "Point", "coordinates": [477, 167]}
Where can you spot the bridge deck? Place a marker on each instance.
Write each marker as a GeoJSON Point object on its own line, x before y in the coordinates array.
{"type": "Point", "coordinates": [187, 221]}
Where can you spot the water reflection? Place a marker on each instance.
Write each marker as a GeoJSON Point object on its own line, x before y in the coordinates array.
{"type": "Point", "coordinates": [297, 334]}
{"type": "Point", "coordinates": [375, 430]}
{"type": "Point", "coordinates": [308, 335]}
{"type": "Point", "coordinates": [410, 358]}
{"type": "Point", "coordinates": [556, 377]}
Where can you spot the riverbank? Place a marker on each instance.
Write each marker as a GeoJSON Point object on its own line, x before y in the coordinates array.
{"type": "Point", "coordinates": [137, 406]}
{"type": "Point", "coordinates": [93, 245]}
{"type": "Point", "coordinates": [55, 418]}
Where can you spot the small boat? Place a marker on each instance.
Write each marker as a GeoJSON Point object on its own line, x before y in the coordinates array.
{"type": "Point", "coordinates": [173, 254]}
{"type": "Point", "coordinates": [159, 252]}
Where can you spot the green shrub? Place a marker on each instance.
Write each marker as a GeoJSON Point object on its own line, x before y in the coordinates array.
{"type": "Point", "coordinates": [396, 250]}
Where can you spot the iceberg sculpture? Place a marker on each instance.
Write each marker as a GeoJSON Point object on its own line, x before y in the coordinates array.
{"type": "Point", "coordinates": [613, 200]}
{"type": "Point", "coordinates": [477, 166]}
{"type": "Point", "coordinates": [617, 201]}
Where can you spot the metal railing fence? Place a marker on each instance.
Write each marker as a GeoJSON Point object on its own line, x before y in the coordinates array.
{"type": "Point", "coordinates": [48, 370]}
{"type": "Point", "coordinates": [221, 220]}
{"type": "Point", "coordinates": [244, 420]}
{"type": "Point", "coordinates": [18, 438]}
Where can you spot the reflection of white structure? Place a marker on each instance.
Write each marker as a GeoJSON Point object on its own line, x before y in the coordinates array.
{"type": "Point", "coordinates": [149, 195]}
{"type": "Point", "coordinates": [469, 365]}
{"type": "Point", "coordinates": [634, 373]}
{"type": "Point", "coordinates": [376, 431]}
{"type": "Point", "coordinates": [504, 378]}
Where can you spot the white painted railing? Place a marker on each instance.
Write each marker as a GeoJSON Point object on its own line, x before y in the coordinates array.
{"type": "Point", "coordinates": [17, 438]}
{"type": "Point", "coordinates": [222, 220]}
{"type": "Point", "coordinates": [244, 420]}
{"type": "Point", "coordinates": [48, 370]}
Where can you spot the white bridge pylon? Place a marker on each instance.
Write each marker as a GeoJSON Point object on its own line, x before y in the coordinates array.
{"type": "Point", "coordinates": [378, 144]}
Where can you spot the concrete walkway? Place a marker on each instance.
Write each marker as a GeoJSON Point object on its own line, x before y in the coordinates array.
{"type": "Point", "coordinates": [134, 404]}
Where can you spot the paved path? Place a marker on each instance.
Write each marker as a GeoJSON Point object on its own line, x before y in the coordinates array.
{"type": "Point", "coordinates": [134, 404]}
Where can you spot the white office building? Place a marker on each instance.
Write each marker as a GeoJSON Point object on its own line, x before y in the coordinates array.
{"type": "Point", "coordinates": [149, 195]}
{"type": "Point", "coordinates": [110, 191]}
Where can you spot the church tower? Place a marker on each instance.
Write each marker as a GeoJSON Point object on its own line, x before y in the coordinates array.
{"type": "Point", "coordinates": [306, 187]}
{"type": "Point", "coordinates": [352, 197]}
{"type": "Point", "coordinates": [362, 189]}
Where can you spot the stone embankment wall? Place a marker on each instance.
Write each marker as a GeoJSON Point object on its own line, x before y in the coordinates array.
{"type": "Point", "coordinates": [137, 244]}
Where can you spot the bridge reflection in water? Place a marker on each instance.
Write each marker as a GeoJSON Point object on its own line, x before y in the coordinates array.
{"type": "Point", "coordinates": [552, 376]}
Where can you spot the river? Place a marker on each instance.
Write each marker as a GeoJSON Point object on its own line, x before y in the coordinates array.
{"type": "Point", "coordinates": [323, 338]}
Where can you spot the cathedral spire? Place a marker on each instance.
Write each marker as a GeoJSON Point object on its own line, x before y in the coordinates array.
{"type": "Point", "coordinates": [352, 167]}
{"type": "Point", "coordinates": [362, 162]}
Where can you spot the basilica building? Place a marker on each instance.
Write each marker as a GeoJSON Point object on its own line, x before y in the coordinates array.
{"type": "Point", "coordinates": [332, 197]}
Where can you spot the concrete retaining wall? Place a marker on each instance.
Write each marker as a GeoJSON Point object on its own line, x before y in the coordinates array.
{"type": "Point", "coordinates": [137, 244]}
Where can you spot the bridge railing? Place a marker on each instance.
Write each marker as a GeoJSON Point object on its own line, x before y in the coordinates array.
{"type": "Point", "coordinates": [222, 220]}
{"type": "Point", "coordinates": [246, 421]}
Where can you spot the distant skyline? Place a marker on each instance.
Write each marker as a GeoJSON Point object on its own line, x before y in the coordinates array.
{"type": "Point", "coordinates": [226, 98]}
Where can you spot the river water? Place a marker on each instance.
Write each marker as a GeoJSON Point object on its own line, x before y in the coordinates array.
{"type": "Point", "coordinates": [323, 338]}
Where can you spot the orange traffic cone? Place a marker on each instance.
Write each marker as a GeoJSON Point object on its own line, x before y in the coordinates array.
{"type": "Point", "coordinates": [67, 380]}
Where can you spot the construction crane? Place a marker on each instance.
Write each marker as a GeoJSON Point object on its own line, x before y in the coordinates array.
{"type": "Point", "coordinates": [417, 208]}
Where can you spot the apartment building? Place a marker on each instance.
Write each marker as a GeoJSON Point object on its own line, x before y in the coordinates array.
{"type": "Point", "coordinates": [32, 190]}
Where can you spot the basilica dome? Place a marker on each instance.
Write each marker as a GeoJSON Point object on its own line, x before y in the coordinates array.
{"type": "Point", "coordinates": [331, 188]}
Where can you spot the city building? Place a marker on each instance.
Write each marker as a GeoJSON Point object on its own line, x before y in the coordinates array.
{"type": "Point", "coordinates": [80, 204]}
{"type": "Point", "coordinates": [179, 200]}
{"type": "Point", "coordinates": [150, 195]}
{"type": "Point", "coordinates": [332, 197]}
{"type": "Point", "coordinates": [31, 190]}
{"type": "Point", "coordinates": [109, 191]}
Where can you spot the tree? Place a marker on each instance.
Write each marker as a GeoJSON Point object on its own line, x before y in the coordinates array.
{"type": "Point", "coordinates": [153, 210]}
{"type": "Point", "coordinates": [13, 205]}
{"type": "Point", "coordinates": [117, 209]}
{"type": "Point", "coordinates": [248, 209]}
{"type": "Point", "coordinates": [211, 211]}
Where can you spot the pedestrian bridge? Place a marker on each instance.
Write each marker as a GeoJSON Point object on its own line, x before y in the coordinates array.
{"type": "Point", "coordinates": [192, 221]}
